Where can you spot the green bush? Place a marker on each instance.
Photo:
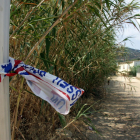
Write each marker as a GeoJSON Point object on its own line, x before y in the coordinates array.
{"type": "Point", "coordinates": [133, 70]}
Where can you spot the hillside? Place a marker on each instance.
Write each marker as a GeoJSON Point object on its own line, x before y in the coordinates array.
{"type": "Point", "coordinates": [130, 54]}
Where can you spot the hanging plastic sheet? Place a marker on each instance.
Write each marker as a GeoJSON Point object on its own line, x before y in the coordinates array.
{"type": "Point", "coordinates": [50, 88]}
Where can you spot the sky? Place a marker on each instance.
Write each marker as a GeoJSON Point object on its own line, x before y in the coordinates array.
{"type": "Point", "coordinates": [130, 30]}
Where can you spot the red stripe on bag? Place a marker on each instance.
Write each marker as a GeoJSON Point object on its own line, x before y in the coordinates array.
{"type": "Point", "coordinates": [50, 85]}
{"type": "Point", "coordinates": [83, 92]}
{"type": "Point", "coordinates": [17, 62]}
{"type": "Point", "coordinates": [10, 74]}
{"type": "Point", "coordinates": [19, 69]}
{"type": "Point", "coordinates": [65, 94]}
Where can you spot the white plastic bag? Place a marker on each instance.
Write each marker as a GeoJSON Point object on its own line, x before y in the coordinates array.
{"type": "Point", "coordinates": [50, 88]}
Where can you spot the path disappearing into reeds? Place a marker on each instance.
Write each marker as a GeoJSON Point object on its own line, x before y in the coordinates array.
{"type": "Point", "coordinates": [119, 118]}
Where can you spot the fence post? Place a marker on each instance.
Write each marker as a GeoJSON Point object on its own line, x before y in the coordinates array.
{"type": "Point", "coordinates": [4, 56]}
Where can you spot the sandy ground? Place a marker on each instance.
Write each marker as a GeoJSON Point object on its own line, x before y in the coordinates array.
{"type": "Point", "coordinates": [119, 118]}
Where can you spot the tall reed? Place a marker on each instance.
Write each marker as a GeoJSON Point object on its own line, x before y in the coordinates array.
{"type": "Point", "coordinates": [73, 40]}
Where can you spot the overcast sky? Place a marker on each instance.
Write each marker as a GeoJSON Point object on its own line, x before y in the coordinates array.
{"type": "Point", "coordinates": [130, 30]}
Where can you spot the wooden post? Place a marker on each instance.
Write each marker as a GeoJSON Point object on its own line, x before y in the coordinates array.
{"type": "Point", "coordinates": [4, 57]}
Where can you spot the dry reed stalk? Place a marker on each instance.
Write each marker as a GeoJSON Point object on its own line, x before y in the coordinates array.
{"type": "Point", "coordinates": [16, 113]}
{"type": "Point", "coordinates": [83, 69]}
{"type": "Point", "coordinates": [21, 111]}
{"type": "Point", "coordinates": [64, 128]}
{"type": "Point", "coordinates": [12, 120]}
{"type": "Point", "coordinates": [36, 62]}
{"type": "Point", "coordinates": [46, 33]}
{"type": "Point", "coordinates": [20, 133]}
{"type": "Point", "coordinates": [80, 131]}
{"type": "Point", "coordinates": [26, 17]}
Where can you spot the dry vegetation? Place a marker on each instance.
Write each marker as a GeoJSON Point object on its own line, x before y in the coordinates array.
{"type": "Point", "coordinates": [73, 40]}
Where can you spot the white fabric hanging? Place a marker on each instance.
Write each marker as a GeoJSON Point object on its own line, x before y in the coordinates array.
{"type": "Point", "coordinates": [50, 88]}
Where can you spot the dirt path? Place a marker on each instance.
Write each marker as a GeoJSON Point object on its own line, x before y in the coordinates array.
{"type": "Point", "coordinates": [120, 115]}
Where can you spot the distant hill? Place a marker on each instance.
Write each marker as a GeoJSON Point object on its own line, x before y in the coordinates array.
{"type": "Point", "coordinates": [130, 54]}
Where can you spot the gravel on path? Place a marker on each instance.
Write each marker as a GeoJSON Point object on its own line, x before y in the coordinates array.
{"type": "Point", "coordinates": [119, 118]}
